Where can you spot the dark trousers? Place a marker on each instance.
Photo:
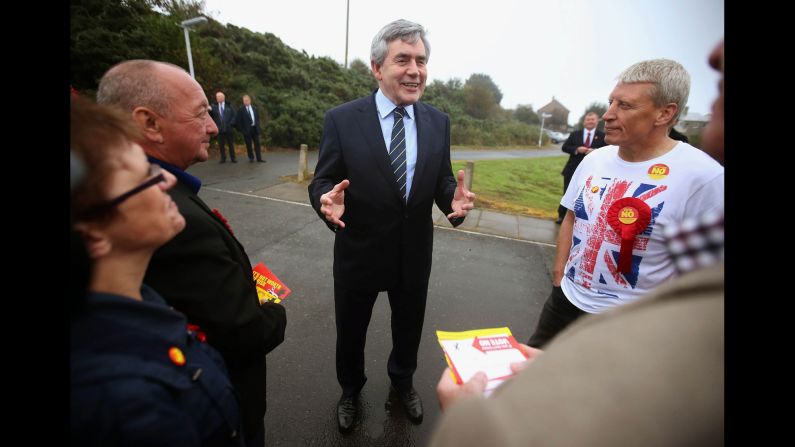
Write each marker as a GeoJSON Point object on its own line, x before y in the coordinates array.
{"type": "Point", "coordinates": [558, 313]}
{"type": "Point", "coordinates": [353, 309]}
{"type": "Point", "coordinates": [566, 180]}
{"type": "Point", "coordinates": [226, 139]}
{"type": "Point", "coordinates": [252, 135]}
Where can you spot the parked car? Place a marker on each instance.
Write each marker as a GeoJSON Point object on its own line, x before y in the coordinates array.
{"type": "Point", "coordinates": [556, 137]}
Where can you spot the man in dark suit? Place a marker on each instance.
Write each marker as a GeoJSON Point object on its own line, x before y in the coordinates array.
{"type": "Point", "coordinates": [248, 125]}
{"type": "Point", "coordinates": [384, 159]}
{"type": "Point", "coordinates": [204, 271]}
{"type": "Point", "coordinates": [579, 144]}
{"type": "Point", "coordinates": [224, 117]}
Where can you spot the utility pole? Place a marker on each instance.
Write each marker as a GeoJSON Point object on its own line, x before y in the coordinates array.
{"type": "Point", "coordinates": [347, 19]}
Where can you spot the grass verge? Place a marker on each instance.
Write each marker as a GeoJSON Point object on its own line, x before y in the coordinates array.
{"type": "Point", "coordinates": [525, 186]}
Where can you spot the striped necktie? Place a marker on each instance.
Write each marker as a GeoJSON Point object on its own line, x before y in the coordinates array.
{"type": "Point", "coordinates": [397, 151]}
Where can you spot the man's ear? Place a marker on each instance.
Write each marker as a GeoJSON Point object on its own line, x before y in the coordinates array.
{"type": "Point", "coordinates": [376, 69]}
{"type": "Point", "coordinates": [150, 124]}
{"type": "Point", "coordinates": [97, 242]}
{"type": "Point", "coordinates": [666, 115]}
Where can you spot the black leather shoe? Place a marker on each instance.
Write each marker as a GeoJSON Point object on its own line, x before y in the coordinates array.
{"type": "Point", "coordinates": [251, 160]}
{"type": "Point", "coordinates": [261, 161]}
{"type": "Point", "coordinates": [413, 404]}
{"type": "Point", "coordinates": [234, 161]}
{"type": "Point", "coordinates": [559, 221]}
{"type": "Point", "coordinates": [223, 161]}
{"type": "Point", "coordinates": [346, 413]}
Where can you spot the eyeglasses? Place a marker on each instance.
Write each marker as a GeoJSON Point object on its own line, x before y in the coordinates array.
{"type": "Point", "coordinates": [156, 176]}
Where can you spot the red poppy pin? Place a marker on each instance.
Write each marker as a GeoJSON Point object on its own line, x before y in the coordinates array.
{"type": "Point", "coordinates": [628, 217]}
{"type": "Point", "coordinates": [223, 220]}
{"type": "Point", "coordinates": [198, 332]}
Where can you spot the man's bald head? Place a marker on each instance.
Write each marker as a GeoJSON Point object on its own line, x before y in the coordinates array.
{"type": "Point", "coordinates": [138, 83]}
{"type": "Point", "coordinates": [168, 105]}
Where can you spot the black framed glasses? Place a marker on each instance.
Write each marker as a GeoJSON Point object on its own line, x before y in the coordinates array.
{"type": "Point", "coordinates": [156, 176]}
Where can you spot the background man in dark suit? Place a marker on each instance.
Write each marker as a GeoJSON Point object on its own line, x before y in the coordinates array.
{"type": "Point", "coordinates": [384, 159]}
{"type": "Point", "coordinates": [203, 272]}
{"type": "Point", "coordinates": [579, 144]}
{"type": "Point", "coordinates": [248, 125]}
{"type": "Point", "coordinates": [224, 117]}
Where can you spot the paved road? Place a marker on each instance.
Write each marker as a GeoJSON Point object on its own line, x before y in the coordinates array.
{"type": "Point", "coordinates": [477, 281]}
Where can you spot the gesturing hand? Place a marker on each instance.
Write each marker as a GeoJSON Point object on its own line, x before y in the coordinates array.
{"type": "Point", "coordinates": [332, 203]}
{"type": "Point", "coordinates": [463, 199]}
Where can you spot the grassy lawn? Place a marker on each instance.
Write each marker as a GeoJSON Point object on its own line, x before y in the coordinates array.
{"type": "Point", "coordinates": [526, 186]}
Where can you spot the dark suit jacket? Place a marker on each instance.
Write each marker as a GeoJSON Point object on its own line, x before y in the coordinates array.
{"type": "Point", "coordinates": [244, 120]}
{"type": "Point", "coordinates": [385, 241]}
{"type": "Point", "coordinates": [225, 124]}
{"type": "Point", "coordinates": [205, 273]}
{"type": "Point", "coordinates": [574, 141]}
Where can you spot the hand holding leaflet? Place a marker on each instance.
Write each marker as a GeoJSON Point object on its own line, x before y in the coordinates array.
{"type": "Point", "coordinates": [491, 351]}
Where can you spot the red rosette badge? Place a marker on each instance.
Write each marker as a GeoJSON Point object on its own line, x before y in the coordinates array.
{"type": "Point", "coordinates": [223, 220]}
{"type": "Point", "coordinates": [628, 217]}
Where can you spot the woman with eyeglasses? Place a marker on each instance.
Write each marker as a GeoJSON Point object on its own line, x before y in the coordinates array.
{"type": "Point", "coordinates": [138, 375]}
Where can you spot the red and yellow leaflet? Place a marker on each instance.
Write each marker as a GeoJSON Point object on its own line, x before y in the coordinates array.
{"type": "Point", "coordinates": [489, 350]}
{"type": "Point", "coordinates": [269, 287]}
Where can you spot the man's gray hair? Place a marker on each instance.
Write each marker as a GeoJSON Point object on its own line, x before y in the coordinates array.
{"type": "Point", "coordinates": [136, 83]}
{"type": "Point", "coordinates": [671, 82]}
{"type": "Point", "coordinates": [401, 29]}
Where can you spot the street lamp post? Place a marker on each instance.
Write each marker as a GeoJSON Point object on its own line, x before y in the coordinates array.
{"type": "Point", "coordinates": [185, 25]}
{"type": "Point", "coordinates": [541, 132]}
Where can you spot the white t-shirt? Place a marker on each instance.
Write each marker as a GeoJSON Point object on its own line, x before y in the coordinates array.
{"type": "Point", "coordinates": [685, 182]}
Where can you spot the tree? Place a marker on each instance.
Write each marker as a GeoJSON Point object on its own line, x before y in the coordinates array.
{"type": "Point", "coordinates": [106, 32]}
{"type": "Point", "coordinates": [446, 96]}
{"type": "Point", "coordinates": [360, 67]}
{"type": "Point", "coordinates": [481, 97]}
{"type": "Point", "coordinates": [526, 114]}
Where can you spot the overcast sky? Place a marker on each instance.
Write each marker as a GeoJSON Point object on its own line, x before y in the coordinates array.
{"type": "Point", "coordinates": [533, 50]}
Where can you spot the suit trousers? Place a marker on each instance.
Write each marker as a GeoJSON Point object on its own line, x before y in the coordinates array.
{"type": "Point", "coordinates": [558, 312]}
{"type": "Point", "coordinates": [226, 139]}
{"type": "Point", "coordinates": [353, 309]}
{"type": "Point", "coordinates": [252, 136]}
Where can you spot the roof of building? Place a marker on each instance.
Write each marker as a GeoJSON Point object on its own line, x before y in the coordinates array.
{"type": "Point", "coordinates": [554, 104]}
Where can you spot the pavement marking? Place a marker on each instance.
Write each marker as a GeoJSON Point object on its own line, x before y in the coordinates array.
{"type": "Point", "coordinates": [495, 236]}
{"type": "Point", "coordinates": [257, 197]}
{"type": "Point", "coordinates": [437, 226]}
